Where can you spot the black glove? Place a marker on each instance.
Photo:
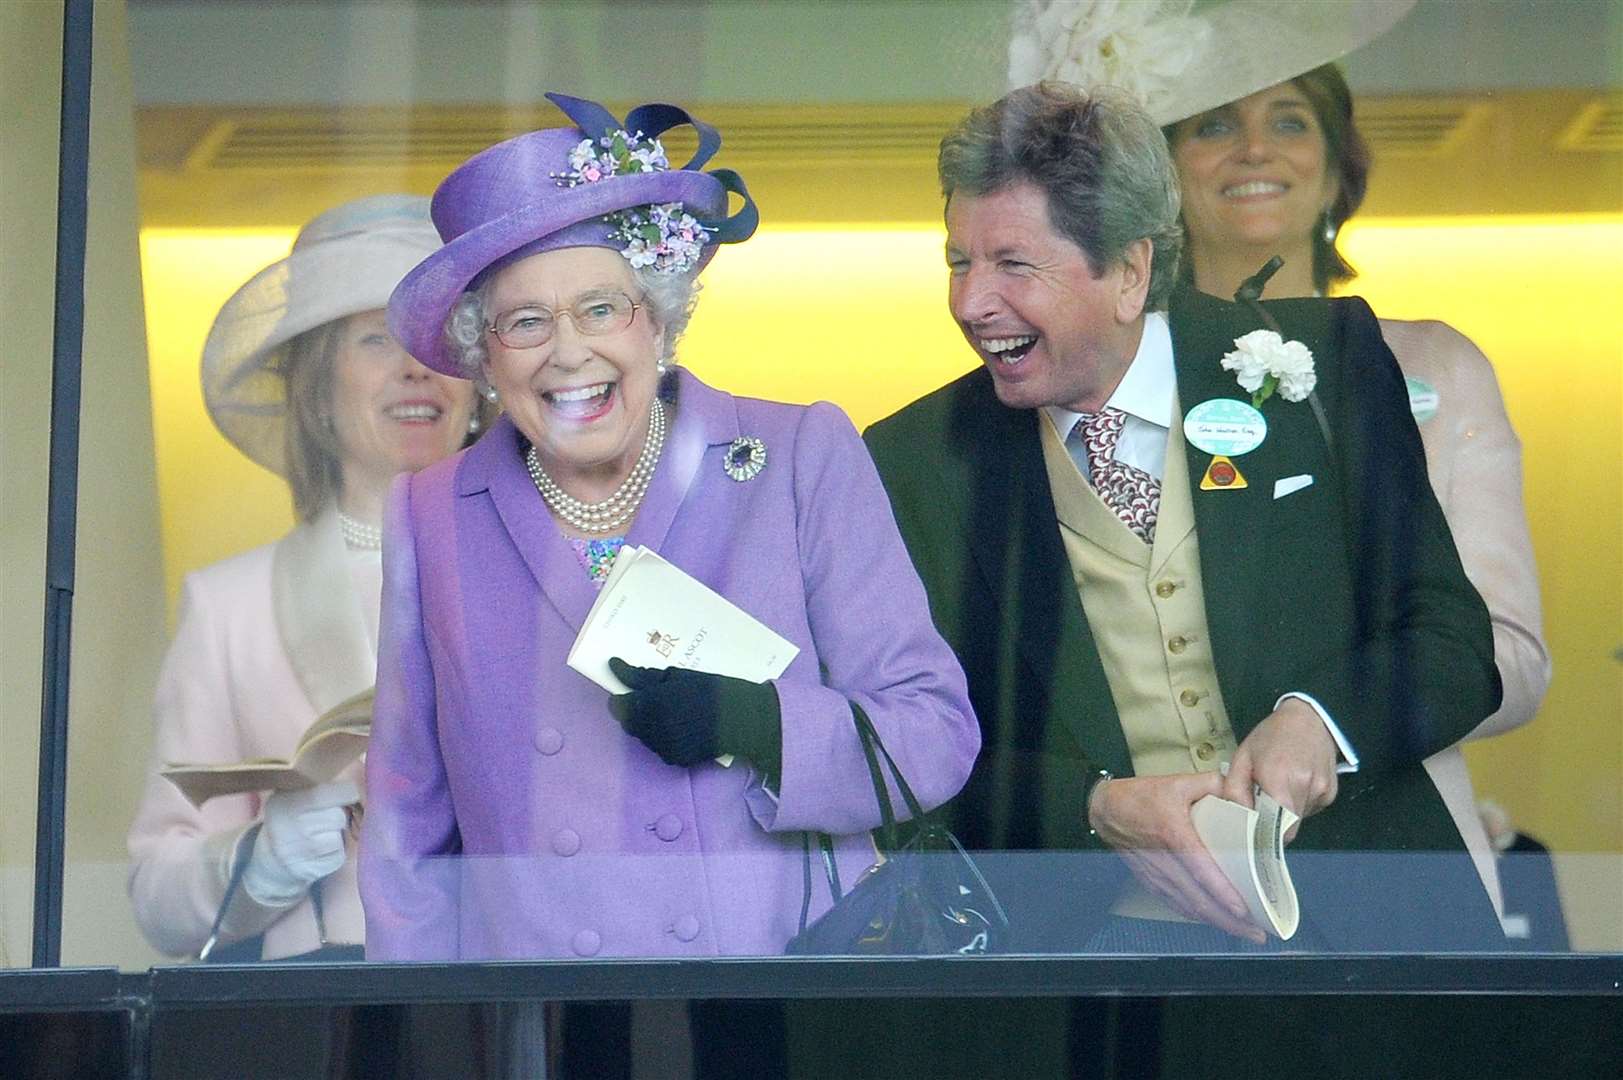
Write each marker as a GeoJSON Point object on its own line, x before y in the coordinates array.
{"type": "Point", "coordinates": [691, 716]}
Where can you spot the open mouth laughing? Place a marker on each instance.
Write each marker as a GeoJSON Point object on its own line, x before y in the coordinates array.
{"type": "Point", "coordinates": [582, 403]}
{"type": "Point", "coordinates": [1007, 351]}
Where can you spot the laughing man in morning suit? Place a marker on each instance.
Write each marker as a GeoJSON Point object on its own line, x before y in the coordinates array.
{"type": "Point", "coordinates": [1152, 609]}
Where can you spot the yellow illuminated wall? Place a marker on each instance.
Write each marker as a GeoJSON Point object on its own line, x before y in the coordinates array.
{"type": "Point", "coordinates": [853, 316]}
{"type": "Point", "coordinates": [215, 502]}
{"type": "Point", "coordinates": [856, 315]}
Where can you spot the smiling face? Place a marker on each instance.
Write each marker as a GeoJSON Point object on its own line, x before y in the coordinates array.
{"type": "Point", "coordinates": [582, 401]}
{"type": "Point", "coordinates": [390, 414]}
{"type": "Point", "coordinates": [1049, 330]}
{"type": "Point", "coordinates": [1254, 176]}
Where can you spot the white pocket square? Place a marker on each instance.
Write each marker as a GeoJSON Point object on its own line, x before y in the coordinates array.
{"type": "Point", "coordinates": [1291, 484]}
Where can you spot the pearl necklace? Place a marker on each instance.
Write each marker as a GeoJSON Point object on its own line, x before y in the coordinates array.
{"type": "Point", "coordinates": [613, 512]}
{"type": "Point", "coordinates": [358, 535]}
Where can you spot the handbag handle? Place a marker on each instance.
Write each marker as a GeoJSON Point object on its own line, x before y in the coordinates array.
{"type": "Point", "coordinates": [870, 740]}
{"type": "Point", "coordinates": [869, 737]}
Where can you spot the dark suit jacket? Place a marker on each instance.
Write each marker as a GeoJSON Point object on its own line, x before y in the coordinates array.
{"type": "Point", "coordinates": [1349, 590]}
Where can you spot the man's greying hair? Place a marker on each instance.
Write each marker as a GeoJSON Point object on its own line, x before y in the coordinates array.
{"type": "Point", "coordinates": [1099, 157]}
{"type": "Point", "coordinates": [667, 298]}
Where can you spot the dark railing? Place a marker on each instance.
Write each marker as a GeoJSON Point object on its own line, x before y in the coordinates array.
{"type": "Point", "coordinates": [63, 498]}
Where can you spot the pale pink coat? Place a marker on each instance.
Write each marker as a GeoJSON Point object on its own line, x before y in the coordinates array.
{"type": "Point", "coordinates": [1475, 463]}
{"type": "Point", "coordinates": [266, 640]}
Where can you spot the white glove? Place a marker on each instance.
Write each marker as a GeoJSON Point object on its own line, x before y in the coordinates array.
{"type": "Point", "coordinates": [300, 841]}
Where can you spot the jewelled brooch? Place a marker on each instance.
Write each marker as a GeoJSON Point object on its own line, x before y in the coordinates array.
{"type": "Point", "coordinates": [745, 458]}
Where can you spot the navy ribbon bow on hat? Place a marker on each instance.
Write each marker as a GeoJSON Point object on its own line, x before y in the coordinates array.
{"type": "Point", "coordinates": [655, 119]}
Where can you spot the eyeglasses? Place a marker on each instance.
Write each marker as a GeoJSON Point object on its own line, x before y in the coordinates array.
{"type": "Point", "coordinates": [532, 325]}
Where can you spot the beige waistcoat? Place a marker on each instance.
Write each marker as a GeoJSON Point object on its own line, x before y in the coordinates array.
{"type": "Point", "coordinates": [1147, 612]}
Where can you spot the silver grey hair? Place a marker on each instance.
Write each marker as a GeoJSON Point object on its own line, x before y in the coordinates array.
{"type": "Point", "coordinates": [1100, 159]}
{"type": "Point", "coordinates": [667, 298]}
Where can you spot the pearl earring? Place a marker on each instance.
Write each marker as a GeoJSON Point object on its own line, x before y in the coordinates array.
{"type": "Point", "coordinates": [473, 424]}
{"type": "Point", "coordinates": [488, 392]}
{"type": "Point", "coordinates": [1330, 228]}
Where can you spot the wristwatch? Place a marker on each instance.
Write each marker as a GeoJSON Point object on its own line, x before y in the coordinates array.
{"type": "Point", "coordinates": [1094, 778]}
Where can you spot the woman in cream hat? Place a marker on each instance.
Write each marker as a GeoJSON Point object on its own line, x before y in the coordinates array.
{"type": "Point", "coordinates": [516, 808]}
{"type": "Point", "coordinates": [1260, 122]}
{"type": "Point", "coordinates": [301, 373]}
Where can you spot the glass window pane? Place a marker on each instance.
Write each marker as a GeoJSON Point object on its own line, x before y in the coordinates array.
{"type": "Point", "coordinates": [1494, 205]}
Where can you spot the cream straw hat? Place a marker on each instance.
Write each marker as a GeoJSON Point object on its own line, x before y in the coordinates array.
{"type": "Point", "coordinates": [346, 261]}
{"type": "Point", "coordinates": [1180, 59]}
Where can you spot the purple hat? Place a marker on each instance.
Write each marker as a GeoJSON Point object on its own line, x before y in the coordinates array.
{"type": "Point", "coordinates": [600, 183]}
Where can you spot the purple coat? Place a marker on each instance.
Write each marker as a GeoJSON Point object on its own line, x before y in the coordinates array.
{"type": "Point", "coordinates": [507, 813]}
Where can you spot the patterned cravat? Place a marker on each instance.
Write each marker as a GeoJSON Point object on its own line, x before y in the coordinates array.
{"type": "Point", "coordinates": [1133, 494]}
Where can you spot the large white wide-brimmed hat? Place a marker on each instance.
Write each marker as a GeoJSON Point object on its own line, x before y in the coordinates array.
{"type": "Point", "coordinates": [345, 261]}
{"type": "Point", "coordinates": [1179, 58]}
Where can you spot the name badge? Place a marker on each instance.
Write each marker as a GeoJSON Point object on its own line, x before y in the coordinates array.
{"type": "Point", "coordinates": [1423, 398]}
{"type": "Point", "coordinates": [1224, 426]}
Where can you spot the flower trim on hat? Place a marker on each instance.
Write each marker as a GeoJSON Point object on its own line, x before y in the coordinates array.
{"type": "Point", "coordinates": [658, 235]}
{"type": "Point", "coordinates": [1140, 46]}
{"type": "Point", "coordinates": [622, 153]}
{"type": "Point", "coordinates": [663, 236]}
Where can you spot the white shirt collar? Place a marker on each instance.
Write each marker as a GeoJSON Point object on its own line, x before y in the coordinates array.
{"type": "Point", "coordinates": [1147, 389]}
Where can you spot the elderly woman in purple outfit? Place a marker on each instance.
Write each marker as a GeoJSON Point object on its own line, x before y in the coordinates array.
{"type": "Point", "coordinates": [515, 809]}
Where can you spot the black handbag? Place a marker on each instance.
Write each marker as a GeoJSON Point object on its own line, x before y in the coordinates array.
{"type": "Point", "coordinates": [926, 897]}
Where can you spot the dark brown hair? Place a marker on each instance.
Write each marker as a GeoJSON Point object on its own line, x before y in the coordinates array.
{"type": "Point", "coordinates": [1346, 154]}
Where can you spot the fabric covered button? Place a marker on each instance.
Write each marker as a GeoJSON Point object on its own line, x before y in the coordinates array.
{"type": "Point", "coordinates": [586, 942]}
{"type": "Point", "coordinates": [1205, 751]}
{"type": "Point", "coordinates": [1189, 698]}
{"type": "Point", "coordinates": [1165, 589]}
{"type": "Point", "coordinates": [668, 827]}
{"type": "Point", "coordinates": [566, 841]}
{"type": "Point", "coordinates": [549, 740]}
{"type": "Point", "coordinates": [1177, 644]}
{"type": "Point", "coordinates": [686, 928]}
